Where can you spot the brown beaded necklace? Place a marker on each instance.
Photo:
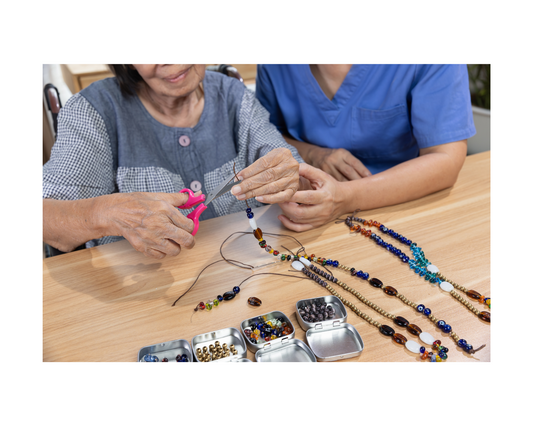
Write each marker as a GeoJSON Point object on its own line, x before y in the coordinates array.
{"type": "Point", "coordinates": [391, 291]}
{"type": "Point", "coordinates": [383, 329]}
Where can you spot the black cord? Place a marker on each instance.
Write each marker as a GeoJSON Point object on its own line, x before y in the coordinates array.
{"type": "Point", "coordinates": [240, 264]}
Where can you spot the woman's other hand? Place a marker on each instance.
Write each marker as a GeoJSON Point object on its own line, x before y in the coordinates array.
{"type": "Point", "coordinates": [149, 221]}
{"type": "Point", "coordinates": [274, 178]}
{"type": "Point", "coordinates": [309, 209]}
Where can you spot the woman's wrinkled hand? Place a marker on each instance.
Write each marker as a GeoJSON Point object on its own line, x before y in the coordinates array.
{"type": "Point", "coordinates": [309, 209]}
{"type": "Point", "coordinates": [273, 178]}
{"type": "Point", "coordinates": [149, 221]}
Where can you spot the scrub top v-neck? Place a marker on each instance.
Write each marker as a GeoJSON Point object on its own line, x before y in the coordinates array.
{"type": "Point", "coordinates": [382, 114]}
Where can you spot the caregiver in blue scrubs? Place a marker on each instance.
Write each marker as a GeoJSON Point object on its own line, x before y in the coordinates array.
{"type": "Point", "coordinates": [376, 135]}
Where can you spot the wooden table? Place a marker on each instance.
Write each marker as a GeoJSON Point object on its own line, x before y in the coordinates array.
{"type": "Point", "coordinates": [105, 303]}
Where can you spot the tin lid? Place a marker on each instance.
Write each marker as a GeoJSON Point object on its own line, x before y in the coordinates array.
{"type": "Point", "coordinates": [340, 340]}
{"type": "Point", "coordinates": [289, 350]}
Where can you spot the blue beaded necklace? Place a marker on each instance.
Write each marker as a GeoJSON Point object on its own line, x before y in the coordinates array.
{"type": "Point", "coordinates": [420, 265]}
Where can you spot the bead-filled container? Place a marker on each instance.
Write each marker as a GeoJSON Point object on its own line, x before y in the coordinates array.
{"type": "Point", "coordinates": [173, 351]}
{"type": "Point", "coordinates": [330, 337]}
{"type": "Point", "coordinates": [271, 337]}
{"type": "Point", "coordinates": [227, 338]}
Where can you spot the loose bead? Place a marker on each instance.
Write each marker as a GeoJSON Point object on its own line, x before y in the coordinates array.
{"type": "Point", "coordinates": [254, 301]}
{"type": "Point", "coordinates": [401, 321]}
{"type": "Point", "coordinates": [399, 338]}
{"type": "Point", "coordinates": [386, 330]}
{"type": "Point", "coordinates": [485, 316]}
{"type": "Point", "coordinates": [391, 291]}
{"type": "Point", "coordinates": [414, 329]}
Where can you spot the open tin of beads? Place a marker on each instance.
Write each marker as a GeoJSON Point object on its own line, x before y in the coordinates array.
{"type": "Point", "coordinates": [330, 338]}
{"type": "Point", "coordinates": [281, 348]}
{"type": "Point", "coordinates": [169, 350]}
{"type": "Point", "coordinates": [227, 337]}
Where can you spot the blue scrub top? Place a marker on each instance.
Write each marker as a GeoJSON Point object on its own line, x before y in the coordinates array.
{"type": "Point", "coordinates": [382, 114]}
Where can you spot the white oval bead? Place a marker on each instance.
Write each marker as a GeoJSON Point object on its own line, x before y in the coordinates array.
{"type": "Point", "coordinates": [446, 286]}
{"type": "Point", "coordinates": [433, 269]}
{"type": "Point", "coordinates": [412, 346]}
{"type": "Point", "coordinates": [252, 223]}
{"type": "Point", "coordinates": [305, 261]}
{"type": "Point", "coordinates": [426, 338]}
{"type": "Point", "coordinates": [297, 265]}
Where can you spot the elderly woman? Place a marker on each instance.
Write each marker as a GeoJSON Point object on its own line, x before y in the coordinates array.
{"type": "Point", "coordinates": [127, 145]}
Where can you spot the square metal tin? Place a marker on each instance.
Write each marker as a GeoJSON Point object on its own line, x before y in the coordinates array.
{"type": "Point", "coordinates": [254, 347]}
{"type": "Point", "coordinates": [230, 336]}
{"type": "Point", "coordinates": [334, 301]}
{"type": "Point", "coordinates": [167, 350]}
{"type": "Point", "coordinates": [334, 338]}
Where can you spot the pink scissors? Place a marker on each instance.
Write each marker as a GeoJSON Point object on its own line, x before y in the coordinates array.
{"type": "Point", "coordinates": [221, 189]}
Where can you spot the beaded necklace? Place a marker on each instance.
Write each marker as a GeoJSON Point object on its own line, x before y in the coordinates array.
{"type": "Point", "coordinates": [386, 330]}
{"type": "Point", "coordinates": [420, 265]}
{"type": "Point", "coordinates": [391, 291]}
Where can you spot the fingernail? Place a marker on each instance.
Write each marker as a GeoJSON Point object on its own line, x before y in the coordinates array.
{"type": "Point", "coordinates": [236, 190]}
{"type": "Point", "coordinates": [241, 197]}
{"type": "Point", "coordinates": [259, 198]}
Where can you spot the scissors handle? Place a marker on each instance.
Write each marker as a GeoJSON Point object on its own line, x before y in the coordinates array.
{"type": "Point", "coordinates": [195, 216]}
{"type": "Point", "coordinates": [192, 199]}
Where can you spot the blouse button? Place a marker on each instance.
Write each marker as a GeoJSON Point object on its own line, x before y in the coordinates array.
{"type": "Point", "coordinates": [196, 186]}
{"type": "Point", "coordinates": [184, 140]}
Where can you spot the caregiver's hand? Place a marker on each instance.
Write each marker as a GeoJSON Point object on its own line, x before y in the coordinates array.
{"type": "Point", "coordinates": [149, 221]}
{"type": "Point", "coordinates": [273, 178]}
{"type": "Point", "coordinates": [339, 163]}
{"type": "Point", "coordinates": [312, 208]}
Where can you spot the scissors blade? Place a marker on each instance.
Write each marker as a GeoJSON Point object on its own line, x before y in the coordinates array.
{"type": "Point", "coordinates": [221, 189]}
